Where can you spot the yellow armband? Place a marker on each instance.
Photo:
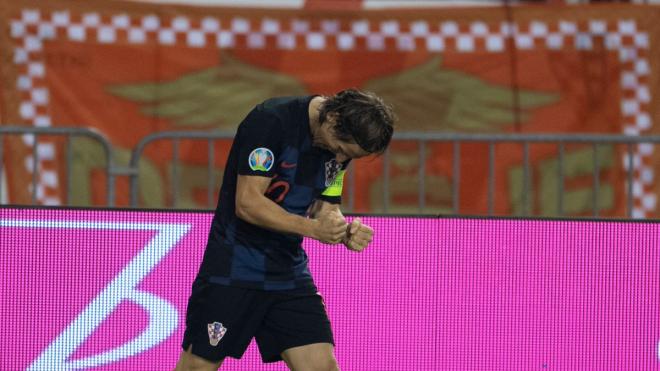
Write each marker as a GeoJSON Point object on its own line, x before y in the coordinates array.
{"type": "Point", "coordinates": [337, 185]}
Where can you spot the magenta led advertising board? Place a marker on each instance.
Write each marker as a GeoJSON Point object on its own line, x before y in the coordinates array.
{"type": "Point", "coordinates": [107, 290]}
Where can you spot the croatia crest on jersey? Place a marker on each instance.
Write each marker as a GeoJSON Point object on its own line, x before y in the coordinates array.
{"type": "Point", "coordinates": [216, 332]}
{"type": "Point", "coordinates": [332, 168]}
{"type": "Point", "coordinates": [261, 159]}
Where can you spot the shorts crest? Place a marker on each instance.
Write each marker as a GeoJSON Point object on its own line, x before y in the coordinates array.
{"type": "Point", "coordinates": [216, 332]}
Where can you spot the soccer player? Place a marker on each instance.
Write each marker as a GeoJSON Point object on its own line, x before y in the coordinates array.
{"type": "Point", "coordinates": [283, 181]}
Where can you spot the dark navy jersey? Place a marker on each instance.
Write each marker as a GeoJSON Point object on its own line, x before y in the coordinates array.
{"type": "Point", "coordinates": [273, 141]}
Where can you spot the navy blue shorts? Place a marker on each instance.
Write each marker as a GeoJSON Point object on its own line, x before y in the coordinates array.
{"type": "Point", "coordinates": [222, 320]}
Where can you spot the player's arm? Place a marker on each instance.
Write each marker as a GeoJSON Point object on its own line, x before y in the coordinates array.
{"type": "Point", "coordinates": [358, 235]}
{"type": "Point", "coordinates": [254, 207]}
{"type": "Point", "coordinates": [323, 207]}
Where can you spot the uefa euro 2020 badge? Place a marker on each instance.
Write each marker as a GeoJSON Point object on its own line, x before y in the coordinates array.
{"type": "Point", "coordinates": [261, 159]}
{"type": "Point", "coordinates": [216, 332]}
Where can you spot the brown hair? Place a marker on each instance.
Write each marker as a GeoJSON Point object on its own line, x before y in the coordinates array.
{"type": "Point", "coordinates": [363, 118]}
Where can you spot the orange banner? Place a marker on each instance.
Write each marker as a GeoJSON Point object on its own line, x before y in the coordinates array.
{"type": "Point", "coordinates": [130, 69]}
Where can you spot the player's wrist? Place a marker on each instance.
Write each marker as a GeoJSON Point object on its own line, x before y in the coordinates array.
{"type": "Point", "coordinates": [309, 228]}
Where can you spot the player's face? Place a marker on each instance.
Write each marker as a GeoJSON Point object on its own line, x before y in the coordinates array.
{"type": "Point", "coordinates": [346, 151]}
{"type": "Point", "coordinates": [343, 150]}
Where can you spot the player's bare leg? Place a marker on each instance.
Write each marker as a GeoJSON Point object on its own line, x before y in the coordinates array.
{"type": "Point", "coordinates": [312, 357]}
{"type": "Point", "coordinates": [191, 362]}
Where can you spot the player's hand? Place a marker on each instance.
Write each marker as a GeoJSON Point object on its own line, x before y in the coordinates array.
{"type": "Point", "coordinates": [331, 228]}
{"type": "Point", "coordinates": [359, 236]}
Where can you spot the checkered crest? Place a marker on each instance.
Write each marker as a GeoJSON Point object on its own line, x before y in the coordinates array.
{"type": "Point", "coordinates": [216, 332]}
{"type": "Point", "coordinates": [332, 167]}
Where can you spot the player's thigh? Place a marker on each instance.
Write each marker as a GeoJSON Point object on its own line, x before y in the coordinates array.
{"type": "Point", "coordinates": [221, 320]}
{"type": "Point", "coordinates": [293, 321]}
{"type": "Point", "coordinates": [311, 357]}
{"type": "Point", "coordinates": [190, 362]}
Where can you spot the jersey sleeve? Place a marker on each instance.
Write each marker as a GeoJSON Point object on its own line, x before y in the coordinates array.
{"type": "Point", "coordinates": [332, 193]}
{"type": "Point", "coordinates": [260, 141]}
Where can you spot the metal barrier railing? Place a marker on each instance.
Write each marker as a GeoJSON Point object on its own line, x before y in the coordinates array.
{"type": "Point", "coordinates": [560, 140]}
{"type": "Point", "coordinates": [423, 140]}
{"type": "Point", "coordinates": [68, 133]}
{"type": "Point", "coordinates": [176, 136]}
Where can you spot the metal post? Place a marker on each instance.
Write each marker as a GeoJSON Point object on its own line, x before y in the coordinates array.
{"type": "Point", "coordinates": [525, 192]}
{"type": "Point", "coordinates": [560, 180]}
{"type": "Point", "coordinates": [596, 174]}
{"type": "Point", "coordinates": [456, 169]}
{"type": "Point", "coordinates": [491, 177]}
{"type": "Point", "coordinates": [630, 179]}
{"type": "Point", "coordinates": [386, 180]}
{"type": "Point", "coordinates": [67, 174]}
{"type": "Point", "coordinates": [210, 184]}
{"type": "Point", "coordinates": [133, 180]}
{"type": "Point", "coordinates": [421, 176]}
{"type": "Point", "coordinates": [1, 163]}
{"type": "Point", "coordinates": [35, 167]}
{"type": "Point", "coordinates": [175, 171]}
{"type": "Point", "coordinates": [110, 183]}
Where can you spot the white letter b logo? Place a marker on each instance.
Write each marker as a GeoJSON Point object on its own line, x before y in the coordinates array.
{"type": "Point", "coordinates": [163, 316]}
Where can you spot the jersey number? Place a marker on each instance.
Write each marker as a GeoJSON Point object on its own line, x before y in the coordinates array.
{"type": "Point", "coordinates": [275, 186]}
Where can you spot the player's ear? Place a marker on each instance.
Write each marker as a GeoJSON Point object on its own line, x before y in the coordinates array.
{"type": "Point", "coordinates": [332, 118]}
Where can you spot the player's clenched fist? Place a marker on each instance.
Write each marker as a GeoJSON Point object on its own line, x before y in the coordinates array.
{"type": "Point", "coordinates": [359, 235]}
{"type": "Point", "coordinates": [330, 228]}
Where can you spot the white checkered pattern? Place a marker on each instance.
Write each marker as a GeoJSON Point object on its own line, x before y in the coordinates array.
{"type": "Point", "coordinates": [623, 36]}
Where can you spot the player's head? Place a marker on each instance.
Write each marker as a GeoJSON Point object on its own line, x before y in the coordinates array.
{"type": "Point", "coordinates": [361, 118]}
